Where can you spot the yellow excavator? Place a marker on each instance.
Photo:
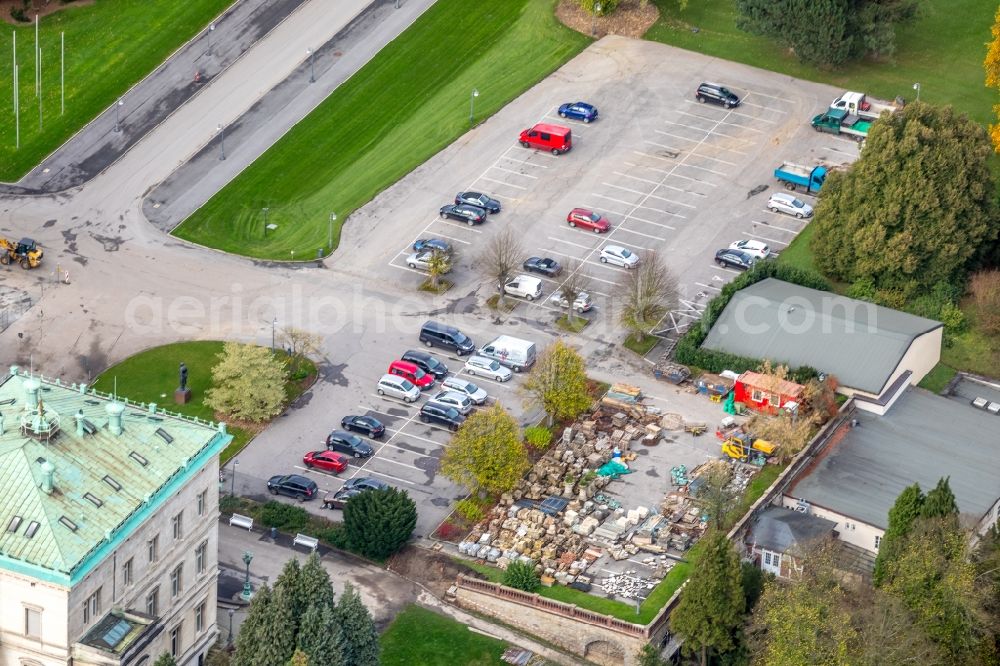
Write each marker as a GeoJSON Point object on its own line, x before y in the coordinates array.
{"type": "Point", "coordinates": [25, 252]}
{"type": "Point", "coordinates": [741, 446]}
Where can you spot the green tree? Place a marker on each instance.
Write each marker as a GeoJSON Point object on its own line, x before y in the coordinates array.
{"type": "Point", "coordinates": [648, 292]}
{"type": "Point", "coordinates": [165, 659]}
{"type": "Point", "coordinates": [358, 637]}
{"type": "Point", "coordinates": [522, 576]}
{"type": "Point", "coordinates": [249, 637]}
{"type": "Point", "coordinates": [486, 455]}
{"type": "Point", "coordinates": [314, 583]}
{"type": "Point", "coordinates": [649, 655]}
{"type": "Point", "coordinates": [248, 383]}
{"type": "Point", "coordinates": [438, 265]}
{"type": "Point", "coordinates": [711, 608]}
{"type": "Point", "coordinates": [319, 635]}
{"type": "Point", "coordinates": [904, 511]}
{"type": "Point", "coordinates": [915, 210]}
{"type": "Point", "coordinates": [992, 66]}
{"type": "Point", "coordinates": [940, 502]}
{"type": "Point", "coordinates": [558, 382]}
{"type": "Point", "coordinates": [377, 523]}
{"type": "Point", "coordinates": [276, 631]}
{"type": "Point", "coordinates": [288, 581]}
{"type": "Point", "coordinates": [299, 658]}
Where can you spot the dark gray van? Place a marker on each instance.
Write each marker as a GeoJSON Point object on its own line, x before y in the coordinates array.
{"type": "Point", "coordinates": [434, 334]}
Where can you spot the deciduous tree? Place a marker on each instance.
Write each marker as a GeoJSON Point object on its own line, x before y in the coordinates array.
{"type": "Point", "coordinates": [165, 659]}
{"type": "Point", "coordinates": [377, 523]}
{"type": "Point", "coordinates": [992, 66]}
{"type": "Point", "coordinates": [486, 454]}
{"type": "Point", "coordinates": [647, 293]}
{"type": "Point", "coordinates": [248, 383]}
{"type": "Point", "coordinates": [438, 265]}
{"type": "Point", "coordinates": [358, 637]}
{"type": "Point", "coordinates": [985, 288]}
{"type": "Point", "coordinates": [301, 344]}
{"type": "Point", "coordinates": [575, 281]}
{"type": "Point", "coordinates": [558, 382]}
{"type": "Point", "coordinates": [904, 511]}
{"type": "Point", "coordinates": [500, 258]}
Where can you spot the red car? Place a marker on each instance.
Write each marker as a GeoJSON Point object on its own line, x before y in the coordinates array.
{"type": "Point", "coordinates": [588, 219]}
{"type": "Point", "coordinates": [328, 461]}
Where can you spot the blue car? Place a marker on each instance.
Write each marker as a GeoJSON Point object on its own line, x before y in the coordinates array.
{"type": "Point", "coordinates": [578, 111]}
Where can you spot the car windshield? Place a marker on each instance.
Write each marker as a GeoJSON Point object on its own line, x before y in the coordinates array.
{"type": "Point", "coordinates": [471, 388]}
{"type": "Point", "coordinates": [626, 253]}
{"type": "Point", "coordinates": [406, 385]}
{"type": "Point", "coordinates": [460, 338]}
{"type": "Point", "coordinates": [797, 203]}
{"type": "Point", "coordinates": [493, 365]}
{"type": "Point", "coordinates": [725, 91]}
{"type": "Point", "coordinates": [433, 362]}
{"type": "Point", "coordinates": [418, 373]}
{"type": "Point", "coordinates": [594, 217]}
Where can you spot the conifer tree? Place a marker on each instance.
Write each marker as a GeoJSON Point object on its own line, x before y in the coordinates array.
{"type": "Point", "coordinates": [358, 637]}
{"type": "Point", "coordinates": [940, 502]}
{"type": "Point", "coordinates": [377, 523]}
{"type": "Point", "coordinates": [901, 516]}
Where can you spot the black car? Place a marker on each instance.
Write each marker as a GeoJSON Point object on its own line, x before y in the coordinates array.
{"type": "Point", "coordinates": [713, 92]}
{"type": "Point", "coordinates": [428, 244]}
{"type": "Point", "coordinates": [478, 199]}
{"type": "Point", "coordinates": [546, 266]}
{"type": "Point", "coordinates": [293, 485]}
{"type": "Point", "coordinates": [436, 334]}
{"type": "Point", "coordinates": [735, 259]}
{"type": "Point", "coordinates": [427, 363]}
{"type": "Point", "coordinates": [464, 213]}
{"type": "Point", "coordinates": [353, 487]}
{"type": "Point", "coordinates": [441, 414]}
{"type": "Point", "coordinates": [345, 442]}
{"type": "Point", "coordinates": [366, 425]}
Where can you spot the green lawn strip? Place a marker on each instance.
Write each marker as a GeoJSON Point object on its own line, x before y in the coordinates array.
{"type": "Point", "coordinates": [420, 636]}
{"type": "Point", "coordinates": [938, 378]}
{"type": "Point", "coordinates": [642, 346]}
{"type": "Point", "coordinates": [798, 253]}
{"type": "Point", "coordinates": [110, 45]}
{"type": "Point", "coordinates": [572, 325]}
{"type": "Point", "coordinates": [406, 104]}
{"type": "Point", "coordinates": [942, 50]}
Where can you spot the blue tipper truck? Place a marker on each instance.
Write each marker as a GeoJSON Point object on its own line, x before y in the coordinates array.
{"type": "Point", "coordinates": [796, 176]}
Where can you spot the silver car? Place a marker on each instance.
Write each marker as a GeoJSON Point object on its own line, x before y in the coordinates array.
{"type": "Point", "coordinates": [487, 367]}
{"type": "Point", "coordinates": [459, 401]}
{"type": "Point", "coordinates": [780, 202]}
{"type": "Point", "coordinates": [421, 261]}
{"type": "Point", "coordinates": [477, 395]}
{"type": "Point", "coordinates": [582, 303]}
{"type": "Point", "coordinates": [617, 255]}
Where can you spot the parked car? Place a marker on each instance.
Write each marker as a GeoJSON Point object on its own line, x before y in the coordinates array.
{"type": "Point", "coordinates": [781, 202]}
{"type": "Point", "coordinates": [477, 395]}
{"type": "Point", "coordinates": [292, 485]}
{"type": "Point", "coordinates": [464, 213]}
{"type": "Point", "coordinates": [352, 488]}
{"type": "Point", "coordinates": [554, 138]}
{"type": "Point", "coordinates": [421, 261]}
{"type": "Point", "coordinates": [345, 442]}
{"type": "Point", "coordinates": [441, 414]}
{"type": "Point", "coordinates": [398, 387]}
{"type": "Point", "coordinates": [524, 286]}
{"type": "Point", "coordinates": [487, 367]}
{"type": "Point", "coordinates": [427, 363]}
{"type": "Point", "coordinates": [412, 372]}
{"type": "Point", "coordinates": [435, 334]}
{"type": "Point", "coordinates": [428, 244]}
{"type": "Point", "coordinates": [752, 247]}
{"type": "Point", "coordinates": [366, 425]}
{"type": "Point", "coordinates": [588, 219]}
{"type": "Point", "coordinates": [328, 461]}
{"type": "Point", "coordinates": [544, 265]}
{"type": "Point", "coordinates": [581, 303]}
{"type": "Point", "coordinates": [515, 353]}
{"type": "Point", "coordinates": [478, 199]}
{"type": "Point", "coordinates": [578, 111]}
{"type": "Point", "coordinates": [717, 94]}
{"type": "Point", "coordinates": [459, 401]}
{"type": "Point", "coordinates": [616, 255]}
{"type": "Point", "coordinates": [735, 259]}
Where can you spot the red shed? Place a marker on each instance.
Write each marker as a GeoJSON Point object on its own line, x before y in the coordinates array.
{"type": "Point", "coordinates": [759, 393]}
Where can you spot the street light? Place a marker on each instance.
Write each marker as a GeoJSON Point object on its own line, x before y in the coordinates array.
{"type": "Point", "coordinates": [274, 322]}
{"type": "Point", "coordinates": [222, 142]}
{"type": "Point", "coordinates": [472, 105]}
{"type": "Point", "coordinates": [329, 242]}
{"type": "Point", "coordinates": [916, 86]}
{"type": "Point", "coordinates": [118, 127]}
{"type": "Point", "coordinates": [236, 463]}
{"type": "Point", "coordinates": [593, 20]}
{"type": "Point", "coordinates": [229, 643]}
{"type": "Point", "coordinates": [264, 210]}
{"type": "Point", "coordinates": [211, 29]}
{"type": "Point", "coordinates": [247, 589]}
{"type": "Point", "coordinates": [312, 70]}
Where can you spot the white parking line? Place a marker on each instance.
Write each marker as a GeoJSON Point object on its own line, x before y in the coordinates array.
{"type": "Point", "coordinates": [514, 159]}
{"type": "Point", "coordinates": [639, 233]}
{"type": "Point", "coordinates": [690, 127]}
{"type": "Point", "coordinates": [774, 226]}
{"type": "Point", "coordinates": [697, 180]}
{"type": "Point", "coordinates": [630, 216]}
{"type": "Point", "coordinates": [770, 240]}
{"type": "Point", "coordinates": [390, 476]}
{"type": "Point", "coordinates": [658, 157]}
{"type": "Point", "coordinates": [715, 159]}
{"type": "Point", "coordinates": [560, 240]}
{"type": "Point", "coordinates": [691, 166]}
{"type": "Point", "coordinates": [650, 195]}
{"type": "Point", "coordinates": [676, 136]}
{"type": "Point", "coordinates": [407, 268]}
{"type": "Point", "coordinates": [396, 462]}
{"type": "Point", "coordinates": [724, 268]}
{"type": "Point", "coordinates": [707, 286]}
{"type": "Point", "coordinates": [658, 210]}
{"type": "Point", "coordinates": [381, 446]}
{"type": "Point", "coordinates": [760, 106]}
{"type": "Point", "coordinates": [516, 173]}
{"type": "Point", "coordinates": [451, 238]}
{"type": "Point", "coordinates": [651, 182]}
{"type": "Point", "coordinates": [502, 182]}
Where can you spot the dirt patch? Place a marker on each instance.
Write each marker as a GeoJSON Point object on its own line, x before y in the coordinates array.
{"type": "Point", "coordinates": [432, 569]}
{"type": "Point", "coordinates": [632, 18]}
{"type": "Point", "coordinates": [43, 8]}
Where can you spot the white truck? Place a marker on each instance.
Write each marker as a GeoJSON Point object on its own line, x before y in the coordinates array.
{"type": "Point", "coordinates": [515, 353]}
{"type": "Point", "coordinates": [857, 104]}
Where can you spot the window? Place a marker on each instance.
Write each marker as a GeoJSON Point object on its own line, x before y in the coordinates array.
{"type": "Point", "coordinates": [202, 496]}
{"type": "Point", "coordinates": [199, 618]}
{"type": "Point", "coordinates": [175, 580]}
{"type": "Point", "coordinates": [92, 607]}
{"type": "Point", "coordinates": [127, 573]}
{"type": "Point", "coordinates": [153, 602]}
{"type": "Point", "coordinates": [756, 395]}
{"type": "Point", "coordinates": [775, 399]}
{"type": "Point", "coordinates": [153, 546]}
{"type": "Point", "coordinates": [176, 526]}
{"type": "Point", "coordinates": [175, 640]}
{"type": "Point", "coordinates": [199, 557]}
{"type": "Point", "coordinates": [32, 623]}
{"type": "Point", "coordinates": [878, 541]}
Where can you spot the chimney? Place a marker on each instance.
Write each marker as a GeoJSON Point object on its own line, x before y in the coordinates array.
{"type": "Point", "coordinates": [13, 370]}
{"type": "Point", "coordinates": [31, 386]}
{"type": "Point", "coordinates": [79, 423]}
{"type": "Point", "coordinates": [114, 411]}
{"type": "Point", "coordinates": [152, 408]}
{"type": "Point", "coordinates": [48, 471]}
{"type": "Point", "coordinates": [222, 427]}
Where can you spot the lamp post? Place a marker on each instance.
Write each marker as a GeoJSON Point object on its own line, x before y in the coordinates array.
{"type": "Point", "coordinates": [593, 20]}
{"type": "Point", "coordinates": [312, 71]}
{"type": "Point", "coordinates": [211, 29]}
{"type": "Point", "coordinates": [222, 142]}
{"type": "Point", "coordinates": [916, 86]}
{"type": "Point", "coordinates": [229, 642]}
{"type": "Point", "coordinates": [264, 210]}
{"type": "Point", "coordinates": [236, 463]}
{"type": "Point", "coordinates": [472, 105]}
{"type": "Point", "coordinates": [247, 588]}
{"type": "Point", "coordinates": [329, 240]}
{"type": "Point", "coordinates": [118, 105]}
{"type": "Point", "coordinates": [274, 322]}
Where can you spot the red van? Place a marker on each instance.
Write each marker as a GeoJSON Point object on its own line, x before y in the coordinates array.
{"type": "Point", "coordinates": [548, 137]}
{"type": "Point", "coordinates": [420, 379]}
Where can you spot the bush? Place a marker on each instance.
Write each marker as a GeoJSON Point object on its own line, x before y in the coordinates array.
{"type": "Point", "coordinates": [283, 516]}
{"type": "Point", "coordinates": [521, 575]}
{"type": "Point", "coordinates": [18, 14]}
{"type": "Point", "coordinates": [469, 509]}
{"type": "Point", "coordinates": [985, 288]}
{"type": "Point", "coordinates": [607, 6]}
{"type": "Point", "coordinates": [538, 437]}
{"type": "Point", "coordinates": [377, 523]}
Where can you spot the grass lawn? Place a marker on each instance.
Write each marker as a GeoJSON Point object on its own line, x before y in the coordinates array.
{"type": "Point", "coordinates": [798, 253]}
{"type": "Point", "coordinates": [110, 45]}
{"type": "Point", "coordinates": [409, 102]}
{"type": "Point", "coordinates": [420, 636]}
{"type": "Point", "coordinates": [641, 346]}
{"type": "Point", "coordinates": [943, 50]}
{"type": "Point", "coordinates": [572, 325]}
{"type": "Point", "coordinates": [938, 378]}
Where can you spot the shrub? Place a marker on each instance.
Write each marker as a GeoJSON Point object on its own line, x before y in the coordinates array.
{"type": "Point", "coordinates": [863, 290]}
{"type": "Point", "coordinates": [538, 437]}
{"type": "Point", "coordinates": [377, 523]}
{"type": "Point", "coordinates": [607, 6]}
{"type": "Point", "coordinates": [521, 575]}
{"type": "Point", "coordinates": [283, 516]}
{"type": "Point", "coordinates": [985, 288]}
{"type": "Point", "coordinates": [470, 510]}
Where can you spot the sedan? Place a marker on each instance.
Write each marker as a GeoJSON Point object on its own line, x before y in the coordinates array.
{"type": "Point", "coordinates": [427, 363]}
{"type": "Point", "coordinates": [588, 219]}
{"type": "Point", "coordinates": [581, 303]}
{"type": "Point", "coordinates": [578, 111]}
{"type": "Point", "coordinates": [487, 367]}
{"type": "Point", "coordinates": [735, 259]}
{"type": "Point", "coordinates": [292, 485]}
{"type": "Point", "coordinates": [546, 266]}
{"type": "Point", "coordinates": [421, 261]}
{"type": "Point", "coordinates": [477, 395]}
{"type": "Point", "coordinates": [616, 255]}
{"type": "Point", "coordinates": [479, 200]}
{"type": "Point", "coordinates": [441, 414]}
{"type": "Point", "coordinates": [752, 247]}
{"type": "Point", "coordinates": [352, 488]}
{"type": "Point", "coordinates": [345, 442]}
{"type": "Point", "coordinates": [328, 461]}
{"type": "Point", "coordinates": [366, 425]}
{"type": "Point", "coordinates": [459, 401]}
{"type": "Point", "coordinates": [464, 213]}
{"type": "Point", "coordinates": [428, 244]}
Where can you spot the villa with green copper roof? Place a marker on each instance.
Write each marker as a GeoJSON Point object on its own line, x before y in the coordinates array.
{"type": "Point", "coordinates": [108, 527]}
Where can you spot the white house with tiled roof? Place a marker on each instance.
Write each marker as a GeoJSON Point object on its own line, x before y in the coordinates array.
{"type": "Point", "coordinates": [108, 528]}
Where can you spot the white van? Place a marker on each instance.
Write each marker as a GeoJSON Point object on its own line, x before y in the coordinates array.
{"type": "Point", "coordinates": [515, 353]}
{"type": "Point", "coordinates": [398, 387]}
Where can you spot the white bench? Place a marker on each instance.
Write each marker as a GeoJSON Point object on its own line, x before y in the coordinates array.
{"type": "Point", "coordinates": [312, 543]}
{"type": "Point", "coordinates": [241, 521]}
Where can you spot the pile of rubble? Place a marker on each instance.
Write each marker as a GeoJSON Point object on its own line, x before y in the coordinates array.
{"type": "Point", "coordinates": [628, 585]}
